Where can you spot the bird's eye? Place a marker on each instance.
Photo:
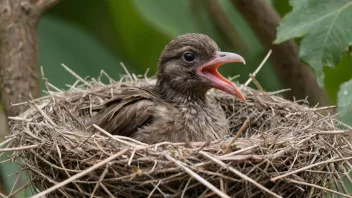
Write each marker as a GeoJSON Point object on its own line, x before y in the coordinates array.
{"type": "Point", "coordinates": [189, 56]}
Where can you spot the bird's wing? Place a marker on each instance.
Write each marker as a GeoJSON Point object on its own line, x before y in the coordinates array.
{"type": "Point", "coordinates": [127, 112]}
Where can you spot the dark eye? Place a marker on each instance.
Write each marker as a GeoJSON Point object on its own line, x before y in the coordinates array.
{"type": "Point", "coordinates": [189, 56]}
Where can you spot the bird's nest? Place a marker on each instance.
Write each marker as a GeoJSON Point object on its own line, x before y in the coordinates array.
{"type": "Point", "coordinates": [277, 148]}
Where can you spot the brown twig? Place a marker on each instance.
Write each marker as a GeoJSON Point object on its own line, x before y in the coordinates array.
{"type": "Point", "coordinates": [79, 175]}
{"type": "Point", "coordinates": [238, 134]}
{"type": "Point", "coordinates": [243, 176]}
{"type": "Point", "coordinates": [117, 138]}
{"type": "Point", "coordinates": [336, 132]}
{"type": "Point", "coordinates": [318, 187]}
{"type": "Point", "coordinates": [308, 167]}
{"type": "Point", "coordinates": [197, 177]}
{"type": "Point", "coordinates": [18, 190]}
{"type": "Point", "coordinates": [258, 68]}
{"type": "Point", "coordinates": [75, 75]}
{"type": "Point", "coordinates": [106, 170]}
{"type": "Point", "coordinates": [106, 190]}
{"type": "Point", "coordinates": [257, 84]}
{"type": "Point", "coordinates": [17, 148]}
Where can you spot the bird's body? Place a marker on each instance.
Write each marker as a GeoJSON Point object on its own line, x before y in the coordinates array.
{"type": "Point", "coordinates": [141, 114]}
{"type": "Point", "coordinates": [176, 109]}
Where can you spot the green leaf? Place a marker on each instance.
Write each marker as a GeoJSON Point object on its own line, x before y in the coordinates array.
{"type": "Point", "coordinates": [344, 103]}
{"type": "Point", "coordinates": [327, 28]}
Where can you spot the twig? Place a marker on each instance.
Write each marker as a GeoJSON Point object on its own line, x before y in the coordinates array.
{"type": "Point", "coordinates": [258, 69]}
{"type": "Point", "coordinates": [114, 137]}
{"type": "Point", "coordinates": [106, 170]}
{"type": "Point", "coordinates": [277, 92]}
{"type": "Point", "coordinates": [19, 119]}
{"type": "Point", "coordinates": [63, 166]}
{"type": "Point", "coordinates": [76, 75]}
{"type": "Point", "coordinates": [44, 114]}
{"type": "Point", "coordinates": [156, 186]}
{"type": "Point", "coordinates": [54, 87]}
{"type": "Point", "coordinates": [238, 134]}
{"type": "Point", "coordinates": [318, 187]}
{"type": "Point", "coordinates": [239, 151]}
{"type": "Point", "coordinates": [106, 190]}
{"type": "Point", "coordinates": [18, 190]}
{"type": "Point", "coordinates": [131, 157]}
{"type": "Point", "coordinates": [336, 132]}
{"type": "Point", "coordinates": [257, 84]}
{"type": "Point", "coordinates": [79, 175]}
{"type": "Point", "coordinates": [308, 167]}
{"type": "Point", "coordinates": [243, 176]}
{"type": "Point", "coordinates": [5, 142]}
{"type": "Point", "coordinates": [18, 148]}
{"type": "Point", "coordinates": [146, 74]}
{"type": "Point", "coordinates": [126, 70]}
{"type": "Point", "coordinates": [186, 187]}
{"type": "Point", "coordinates": [111, 80]}
{"type": "Point", "coordinates": [45, 80]}
{"type": "Point", "coordinates": [26, 103]}
{"type": "Point", "coordinates": [15, 183]}
{"type": "Point", "coordinates": [197, 177]}
{"type": "Point", "coordinates": [323, 108]}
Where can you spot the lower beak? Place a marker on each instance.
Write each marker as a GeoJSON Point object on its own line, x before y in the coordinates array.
{"type": "Point", "coordinates": [209, 71]}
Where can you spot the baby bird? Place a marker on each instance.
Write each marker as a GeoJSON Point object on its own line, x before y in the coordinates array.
{"type": "Point", "coordinates": [176, 109]}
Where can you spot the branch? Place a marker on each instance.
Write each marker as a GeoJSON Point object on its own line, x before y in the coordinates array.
{"type": "Point", "coordinates": [43, 6]}
{"type": "Point", "coordinates": [19, 54]}
{"type": "Point", "coordinates": [19, 51]}
{"type": "Point", "coordinates": [263, 19]}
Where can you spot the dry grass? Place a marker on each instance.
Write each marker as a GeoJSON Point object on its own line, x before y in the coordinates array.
{"type": "Point", "coordinates": [278, 149]}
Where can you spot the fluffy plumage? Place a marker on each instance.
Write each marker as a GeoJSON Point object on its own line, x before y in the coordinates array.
{"type": "Point", "coordinates": [175, 109]}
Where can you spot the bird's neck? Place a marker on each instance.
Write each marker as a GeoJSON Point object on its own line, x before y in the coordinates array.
{"type": "Point", "coordinates": [177, 93]}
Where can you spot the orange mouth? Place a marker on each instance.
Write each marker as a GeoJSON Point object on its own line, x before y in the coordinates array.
{"type": "Point", "coordinates": [209, 70]}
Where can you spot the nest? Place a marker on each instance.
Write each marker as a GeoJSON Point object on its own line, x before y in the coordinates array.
{"type": "Point", "coordinates": [278, 149]}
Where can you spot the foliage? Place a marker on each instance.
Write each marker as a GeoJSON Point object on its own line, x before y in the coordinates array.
{"type": "Point", "coordinates": [326, 29]}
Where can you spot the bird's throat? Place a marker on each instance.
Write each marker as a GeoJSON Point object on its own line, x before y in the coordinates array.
{"type": "Point", "coordinates": [181, 93]}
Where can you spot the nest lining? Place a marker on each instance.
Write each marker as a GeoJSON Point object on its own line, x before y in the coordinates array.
{"type": "Point", "coordinates": [278, 148]}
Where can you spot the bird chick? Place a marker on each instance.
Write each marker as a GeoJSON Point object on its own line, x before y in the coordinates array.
{"type": "Point", "coordinates": [176, 109]}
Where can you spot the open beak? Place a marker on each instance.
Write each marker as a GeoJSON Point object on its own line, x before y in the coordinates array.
{"type": "Point", "coordinates": [209, 70]}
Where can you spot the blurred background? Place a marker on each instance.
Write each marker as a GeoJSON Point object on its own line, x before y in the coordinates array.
{"type": "Point", "coordinates": [90, 35]}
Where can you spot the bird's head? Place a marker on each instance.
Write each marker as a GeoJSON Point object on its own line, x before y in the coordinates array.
{"type": "Point", "coordinates": [188, 66]}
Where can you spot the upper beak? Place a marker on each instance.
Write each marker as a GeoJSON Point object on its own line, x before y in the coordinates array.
{"type": "Point", "coordinates": [209, 71]}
